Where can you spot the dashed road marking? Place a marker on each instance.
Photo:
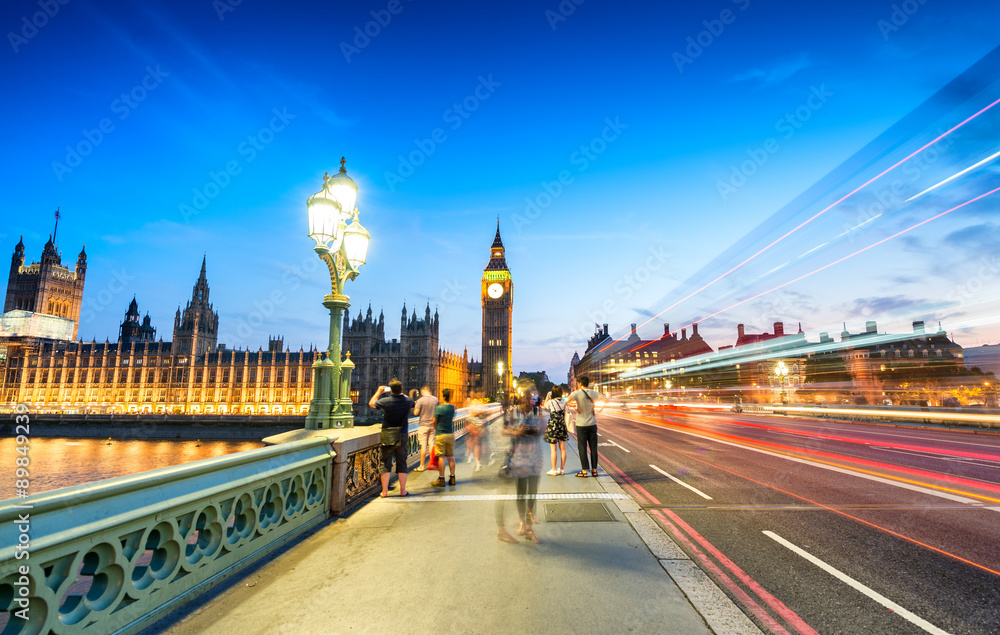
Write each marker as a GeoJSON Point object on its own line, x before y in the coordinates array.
{"type": "Point", "coordinates": [851, 582]}
{"type": "Point", "coordinates": [682, 483]}
{"type": "Point", "coordinates": [832, 468]}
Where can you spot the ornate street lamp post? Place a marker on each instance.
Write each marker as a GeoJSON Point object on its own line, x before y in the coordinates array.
{"type": "Point", "coordinates": [781, 373]}
{"type": "Point", "coordinates": [344, 248]}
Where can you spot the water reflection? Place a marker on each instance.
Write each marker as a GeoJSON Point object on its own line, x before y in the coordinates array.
{"type": "Point", "coordinates": [57, 463]}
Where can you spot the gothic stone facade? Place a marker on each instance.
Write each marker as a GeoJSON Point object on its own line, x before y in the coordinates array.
{"type": "Point", "coordinates": [415, 358]}
{"type": "Point", "coordinates": [149, 377]}
{"type": "Point", "coordinates": [46, 286]}
{"type": "Point", "coordinates": [194, 375]}
{"type": "Point", "coordinates": [196, 331]}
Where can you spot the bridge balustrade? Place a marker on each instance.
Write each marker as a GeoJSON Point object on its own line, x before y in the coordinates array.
{"type": "Point", "coordinates": [116, 555]}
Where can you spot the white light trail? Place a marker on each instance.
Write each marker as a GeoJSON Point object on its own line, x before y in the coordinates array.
{"type": "Point", "coordinates": [955, 176]}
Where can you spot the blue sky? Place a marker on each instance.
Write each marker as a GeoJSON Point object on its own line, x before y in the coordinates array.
{"type": "Point", "coordinates": [280, 91]}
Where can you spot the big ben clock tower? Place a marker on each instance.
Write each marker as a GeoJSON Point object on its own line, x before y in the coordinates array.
{"type": "Point", "coordinates": [498, 308]}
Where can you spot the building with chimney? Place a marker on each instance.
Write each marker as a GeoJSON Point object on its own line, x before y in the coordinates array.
{"type": "Point", "coordinates": [606, 359]}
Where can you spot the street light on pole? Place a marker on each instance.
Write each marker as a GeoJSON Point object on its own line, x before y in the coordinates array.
{"type": "Point", "coordinates": [344, 249]}
{"type": "Point", "coordinates": [781, 373]}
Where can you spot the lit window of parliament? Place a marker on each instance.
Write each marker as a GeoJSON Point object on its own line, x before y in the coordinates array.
{"type": "Point", "coordinates": [44, 366]}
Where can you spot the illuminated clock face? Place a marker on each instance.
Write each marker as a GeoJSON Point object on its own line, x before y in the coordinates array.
{"type": "Point", "coordinates": [495, 290]}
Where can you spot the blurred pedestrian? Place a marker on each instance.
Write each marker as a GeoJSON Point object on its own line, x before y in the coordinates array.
{"type": "Point", "coordinates": [395, 407]}
{"type": "Point", "coordinates": [556, 433]}
{"type": "Point", "coordinates": [476, 428]}
{"type": "Point", "coordinates": [523, 465]}
{"type": "Point", "coordinates": [424, 409]}
{"type": "Point", "coordinates": [444, 439]}
{"type": "Point", "coordinates": [586, 425]}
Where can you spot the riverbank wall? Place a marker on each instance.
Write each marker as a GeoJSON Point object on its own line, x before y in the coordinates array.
{"type": "Point", "coordinates": [119, 426]}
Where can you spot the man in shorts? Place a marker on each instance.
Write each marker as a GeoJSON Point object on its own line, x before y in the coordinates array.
{"type": "Point", "coordinates": [444, 440]}
{"type": "Point", "coordinates": [396, 409]}
{"type": "Point", "coordinates": [425, 431]}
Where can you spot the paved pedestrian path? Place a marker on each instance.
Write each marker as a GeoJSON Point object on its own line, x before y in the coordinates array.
{"type": "Point", "coordinates": [431, 562]}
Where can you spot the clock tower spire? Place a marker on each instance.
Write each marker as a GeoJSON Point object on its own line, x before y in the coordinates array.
{"type": "Point", "coordinates": [498, 308]}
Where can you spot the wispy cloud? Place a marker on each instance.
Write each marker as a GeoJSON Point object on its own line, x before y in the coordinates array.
{"type": "Point", "coordinates": [778, 72]}
{"type": "Point", "coordinates": [884, 305]}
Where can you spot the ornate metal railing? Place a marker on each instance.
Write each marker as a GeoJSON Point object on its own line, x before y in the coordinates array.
{"type": "Point", "coordinates": [363, 466]}
{"type": "Point", "coordinates": [116, 555]}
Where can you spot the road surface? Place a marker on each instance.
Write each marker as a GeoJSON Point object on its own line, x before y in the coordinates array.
{"type": "Point", "coordinates": [818, 526]}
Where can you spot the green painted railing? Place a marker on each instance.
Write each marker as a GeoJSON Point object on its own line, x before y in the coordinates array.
{"type": "Point", "coordinates": [462, 418]}
{"type": "Point", "coordinates": [363, 464]}
{"type": "Point", "coordinates": [116, 555]}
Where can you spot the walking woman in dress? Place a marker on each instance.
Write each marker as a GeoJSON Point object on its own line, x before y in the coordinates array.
{"type": "Point", "coordinates": [556, 433]}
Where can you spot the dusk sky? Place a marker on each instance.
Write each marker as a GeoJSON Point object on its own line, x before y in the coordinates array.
{"type": "Point", "coordinates": [451, 114]}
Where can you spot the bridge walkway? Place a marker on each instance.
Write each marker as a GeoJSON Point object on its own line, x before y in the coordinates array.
{"type": "Point", "coordinates": [431, 562]}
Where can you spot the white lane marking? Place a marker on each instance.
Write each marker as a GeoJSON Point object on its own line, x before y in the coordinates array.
{"type": "Point", "coordinates": [618, 446]}
{"type": "Point", "coordinates": [851, 582]}
{"type": "Point", "coordinates": [680, 482]}
{"type": "Point", "coordinates": [832, 468]}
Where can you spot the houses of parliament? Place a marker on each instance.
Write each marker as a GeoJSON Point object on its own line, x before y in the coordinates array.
{"type": "Point", "coordinates": [44, 366]}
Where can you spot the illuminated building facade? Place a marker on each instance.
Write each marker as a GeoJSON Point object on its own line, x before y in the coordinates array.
{"type": "Point", "coordinates": [918, 368]}
{"type": "Point", "coordinates": [415, 358]}
{"type": "Point", "coordinates": [46, 287]}
{"type": "Point", "coordinates": [498, 312]}
{"type": "Point", "coordinates": [196, 375]}
{"type": "Point", "coordinates": [196, 330]}
{"type": "Point", "coordinates": [606, 358]}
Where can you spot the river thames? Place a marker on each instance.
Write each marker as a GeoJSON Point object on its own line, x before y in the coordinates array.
{"type": "Point", "coordinates": [57, 463]}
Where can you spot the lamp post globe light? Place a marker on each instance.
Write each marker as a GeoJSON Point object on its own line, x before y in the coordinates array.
{"type": "Point", "coordinates": [343, 247]}
{"type": "Point", "coordinates": [781, 373]}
